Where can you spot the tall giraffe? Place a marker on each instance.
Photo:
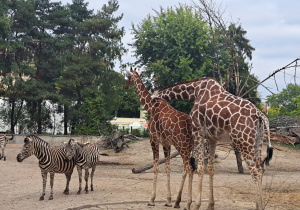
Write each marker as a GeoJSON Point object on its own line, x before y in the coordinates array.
{"type": "Point", "coordinates": [218, 115]}
{"type": "Point", "coordinates": [167, 127]}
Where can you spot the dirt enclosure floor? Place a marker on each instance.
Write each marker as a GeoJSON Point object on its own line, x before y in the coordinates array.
{"type": "Point", "coordinates": [116, 187]}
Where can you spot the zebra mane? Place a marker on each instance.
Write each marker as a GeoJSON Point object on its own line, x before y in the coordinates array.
{"type": "Point", "coordinates": [36, 138]}
{"type": "Point", "coordinates": [186, 82]}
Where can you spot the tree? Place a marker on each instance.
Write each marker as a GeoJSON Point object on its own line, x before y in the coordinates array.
{"type": "Point", "coordinates": [171, 46]}
{"type": "Point", "coordinates": [286, 102]}
{"type": "Point", "coordinates": [87, 62]}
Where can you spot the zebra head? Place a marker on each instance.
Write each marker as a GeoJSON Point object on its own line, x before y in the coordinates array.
{"type": "Point", "coordinates": [27, 149]}
{"type": "Point", "coordinates": [70, 149]}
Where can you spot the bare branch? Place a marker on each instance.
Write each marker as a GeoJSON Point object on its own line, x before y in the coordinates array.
{"type": "Point", "coordinates": [271, 75]}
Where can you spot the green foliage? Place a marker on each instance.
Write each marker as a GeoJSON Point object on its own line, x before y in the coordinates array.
{"type": "Point", "coordinates": [69, 53]}
{"type": "Point", "coordinates": [91, 118]}
{"type": "Point", "coordinates": [177, 44]}
{"type": "Point", "coordinates": [287, 101]}
{"type": "Point", "coordinates": [171, 46]}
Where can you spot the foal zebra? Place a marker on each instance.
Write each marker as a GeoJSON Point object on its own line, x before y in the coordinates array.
{"type": "Point", "coordinates": [52, 160]}
{"type": "Point", "coordinates": [86, 156]}
{"type": "Point", "coordinates": [3, 141]}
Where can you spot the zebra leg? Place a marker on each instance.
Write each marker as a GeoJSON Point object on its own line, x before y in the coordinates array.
{"type": "Point", "coordinates": [79, 169]}
{"type": "Point", "coordinates": [51, 184]}
{"type": "Point", "coordinates": [68, 177]}
{"type": "Point", "coordinates": [44, 176]}
{"type": "Point", "coordinates": [3, 152]}
{"type": "Point", "coordinates": [92, 176]}
{"type": "Point", "coordinates": [86, 177]}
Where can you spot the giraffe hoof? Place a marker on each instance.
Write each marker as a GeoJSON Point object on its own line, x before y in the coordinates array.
{"type": "Point", "coordinates": [177, 206]}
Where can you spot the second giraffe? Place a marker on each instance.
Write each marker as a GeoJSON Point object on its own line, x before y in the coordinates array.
{"type": "Point", "coordinates": [167, 127]}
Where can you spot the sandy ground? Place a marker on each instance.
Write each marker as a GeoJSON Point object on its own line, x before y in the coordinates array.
{"type": "Point", "coordinates": [116, 187]}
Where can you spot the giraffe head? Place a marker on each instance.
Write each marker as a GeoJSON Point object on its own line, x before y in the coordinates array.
{"type": "Point", "coordinates": [130, 78]}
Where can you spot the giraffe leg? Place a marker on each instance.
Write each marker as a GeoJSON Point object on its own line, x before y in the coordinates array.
{"type": "Point", "coordinates": [44, 177]}
{"type": "Point", "coordinates": [187, 169]}
{"type": "Point", "coordinates": [79, 169]}
{"type": "Point", "coordinates": [167, 151]}
{"type": "Point", "coordinates": [256, 171]}
{"type": "Point", "coordinates": [211, 172]}
{"type": "Point", "coordinates": [92, 176]}
{"type": "Point", "coordinates": [86, 178]}
{"type": "Point", "coordinates": [200, 169]}
{"type": "Point", "coordinates": [51, 185]}
{"type": "Point", "coordinates": [155, 150]}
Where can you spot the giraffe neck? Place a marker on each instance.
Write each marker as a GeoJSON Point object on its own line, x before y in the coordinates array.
{"type": "Point", "coordinates": [191, 90]}
{"type": "Point", "coordinates": [144, 95]}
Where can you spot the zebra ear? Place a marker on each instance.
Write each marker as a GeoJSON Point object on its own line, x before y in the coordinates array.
{"type": "Point", "coordinates": [27, 140]}
{"type": "Point", "coordinates": [71, 141]}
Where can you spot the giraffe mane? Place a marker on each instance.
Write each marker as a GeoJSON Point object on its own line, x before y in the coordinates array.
{"type": "Point", "coordinates": [186, 82]}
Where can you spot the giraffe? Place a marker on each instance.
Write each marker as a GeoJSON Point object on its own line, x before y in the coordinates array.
{"type": "Point", "coordinates": [167, 127]}
{"type": "Point", "coordinates": [216, 116]}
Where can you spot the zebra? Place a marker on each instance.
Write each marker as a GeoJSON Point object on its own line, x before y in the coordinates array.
{"type": "Point", "coordinates": [86, 157]}
{"type": "Point", "coordinates": [52, 160]}
{"type": "Point", "coordinates": [3, 141]}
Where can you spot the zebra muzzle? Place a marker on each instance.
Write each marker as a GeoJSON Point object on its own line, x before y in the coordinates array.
{"type": "Point", "coordinates": [19, 158]}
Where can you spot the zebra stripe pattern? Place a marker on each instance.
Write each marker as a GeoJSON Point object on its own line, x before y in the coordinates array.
{"type": "Point", "coordinates": [3, 141]}
{"type": "Point", "coordinates": [52, 160]}
{"type": "Point", "coordinates": [86, 157]}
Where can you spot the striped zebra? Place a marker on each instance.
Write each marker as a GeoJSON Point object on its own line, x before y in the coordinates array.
{"type": "Point", "coordinates": [86, 157]}
{"type": "Point", "coordinates": [3, 141]}
{"type": "Point", "coordinates": [52, 160]}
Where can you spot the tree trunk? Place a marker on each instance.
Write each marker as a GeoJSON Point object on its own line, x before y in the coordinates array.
{"type": "Point", "coordinates": [12, 127]}
{"type": "Point", "coordinates": [65, 120]}
{"type": "Point", "coordinates": [39, 117]}
{"type": "Point", "coordinates": [150, 165]}
{"type": "Point", "coordinates": [238, 159]}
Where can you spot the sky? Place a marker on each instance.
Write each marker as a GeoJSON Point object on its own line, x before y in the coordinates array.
{"type": "Point", "coordinates": [273, 28]}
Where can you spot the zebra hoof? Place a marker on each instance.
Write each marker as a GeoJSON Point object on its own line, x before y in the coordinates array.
{"type": "Point", "coordinates": [168, 205]}
{"type": "Point", "coordinates": [78, 193]}
{"type": "Point", "coordinates": [51, 197]}
{"type": "Point", "coordinates": [66, 192]}
{"type": "Point", "coordinates": [4, 159]}
{"type": "Point", "coordinates": [41, 198]}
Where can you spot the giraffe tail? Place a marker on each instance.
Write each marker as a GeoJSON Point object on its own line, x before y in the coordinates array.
{"type": "Point", "coordinates": [193, 163]}
{"type": "Point", "coordinates": [269, 147]}
{"type": "Point", "coordinates": [269, 156]}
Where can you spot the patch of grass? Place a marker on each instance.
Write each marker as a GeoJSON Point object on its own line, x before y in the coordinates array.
{"type": "Point", "coordinates": [296, 147]}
